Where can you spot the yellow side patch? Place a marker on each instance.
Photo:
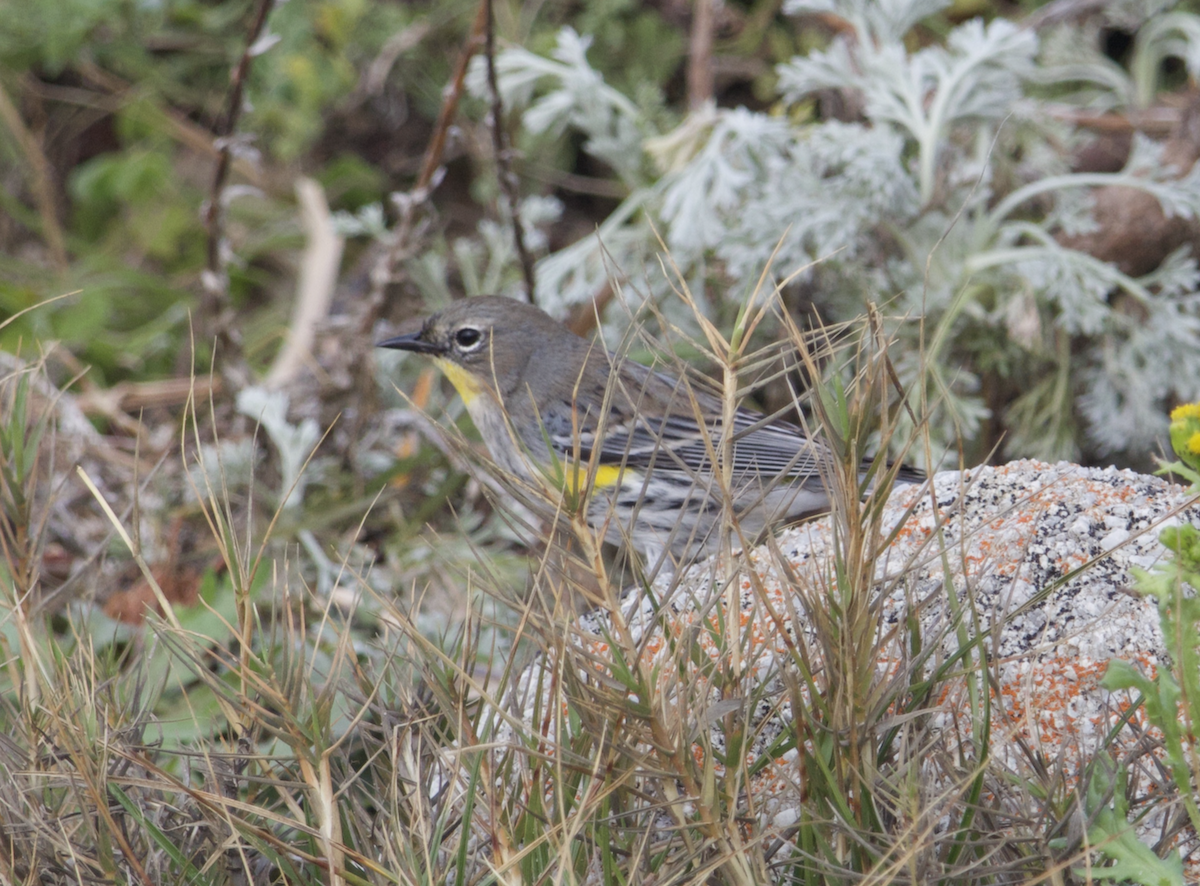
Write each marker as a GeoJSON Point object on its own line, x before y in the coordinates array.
{"type": "Point", "coordinates": [606, 476]}
{"type": "Point", "coordinates": [466, 385]}
{"type": "Point", "coordinates": [571, 478]}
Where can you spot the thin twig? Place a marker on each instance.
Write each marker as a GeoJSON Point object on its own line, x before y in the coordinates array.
{"type": "Point", "coordinates": [39, 173]}
{"type": "Point", "coordinates": [403, 239]}
{"type": "Point", "coordinates": [216, 281]}
{"type": "Point", "coordinates": [508, 179]}
{"type": "Point", "coordinates": [437, 143]}
{"type": "Point", "coordinates": [1159, 121]}
{"type": "Point", "coordinates": [409, 227]}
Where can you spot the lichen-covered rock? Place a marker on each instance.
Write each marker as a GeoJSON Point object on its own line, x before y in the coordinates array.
{"type": "Point", "coordinates": [1024, 566]}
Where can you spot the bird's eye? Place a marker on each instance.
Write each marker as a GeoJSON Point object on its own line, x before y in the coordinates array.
{"type": "Point", "coordinates": [468, 338]}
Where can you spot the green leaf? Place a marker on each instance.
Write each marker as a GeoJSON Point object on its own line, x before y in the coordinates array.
{"type": "Point", "coordinates": [1113, 836]}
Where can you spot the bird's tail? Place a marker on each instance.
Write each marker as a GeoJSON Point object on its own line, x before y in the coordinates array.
{"type": "Point", "coordinates": [904, 474]}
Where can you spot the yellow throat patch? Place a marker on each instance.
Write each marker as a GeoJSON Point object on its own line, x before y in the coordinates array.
{"type": "Point", "coordinates": [466, 385]}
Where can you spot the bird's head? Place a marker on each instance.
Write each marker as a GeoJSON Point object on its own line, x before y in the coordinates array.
{"type": "Point", "coordinates": [484, 342]}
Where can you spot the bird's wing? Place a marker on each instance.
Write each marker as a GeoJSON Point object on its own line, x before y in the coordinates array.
{"type": "Point", "coordinates": [678, 442]}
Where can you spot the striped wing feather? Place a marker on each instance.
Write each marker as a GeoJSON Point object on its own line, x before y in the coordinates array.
{"type": "Point", "coordinates": [762, 445]}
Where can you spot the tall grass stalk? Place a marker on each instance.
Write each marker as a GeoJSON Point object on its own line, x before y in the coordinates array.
{"type": "Point", "coordinates": [636, 743]}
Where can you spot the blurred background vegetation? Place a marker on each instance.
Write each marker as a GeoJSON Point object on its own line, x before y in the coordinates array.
{"type": "Point", "coordinates": [189, 185]}
{"type": "Point", "coordinates": [212, 208]}
{"type": "Point", "coordinates": [1012, 182]}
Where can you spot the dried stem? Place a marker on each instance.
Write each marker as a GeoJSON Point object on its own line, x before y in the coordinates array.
{"type": "Point", "coordinates": [216, 281]}
{"type": "Point", "coordinates": [437, 143]}
{"type": "Point", "coordinates": [504, 172]}
{"type": "Point", "coordinates": [314, 288]}
{"type": "Point", "coordinates": [408, 228]}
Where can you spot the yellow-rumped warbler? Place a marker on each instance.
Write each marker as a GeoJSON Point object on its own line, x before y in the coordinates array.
{"type": "Point", "coordinates": [547, 401]}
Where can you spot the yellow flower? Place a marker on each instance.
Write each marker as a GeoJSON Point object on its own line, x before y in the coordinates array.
{"type": "Point", "coordinates": [1193, 443]}
{"type": "Point", "coordinates": [1186, 411]}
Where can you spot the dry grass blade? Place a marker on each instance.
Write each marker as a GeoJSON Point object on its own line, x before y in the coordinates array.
{"type": "Point", "coordinates": [757, 716]}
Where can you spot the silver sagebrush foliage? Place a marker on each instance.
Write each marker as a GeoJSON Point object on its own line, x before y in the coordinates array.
{"type": "Point", "coordinates": [882, 20]}
{"type": "Point", "coordinates": [578, 99]}
{"type": "Point", "coordinates": [904, 208]}
{"type": "Point", "coordinates": [294, 443]}
{"type": "Point", "coordinates": [925, 94]}
{"type": "Point", "coordinates": [843, 182]}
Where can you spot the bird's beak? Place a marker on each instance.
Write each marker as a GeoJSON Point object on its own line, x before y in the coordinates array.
{"type": "Point", "coordinates": [411, 342]}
